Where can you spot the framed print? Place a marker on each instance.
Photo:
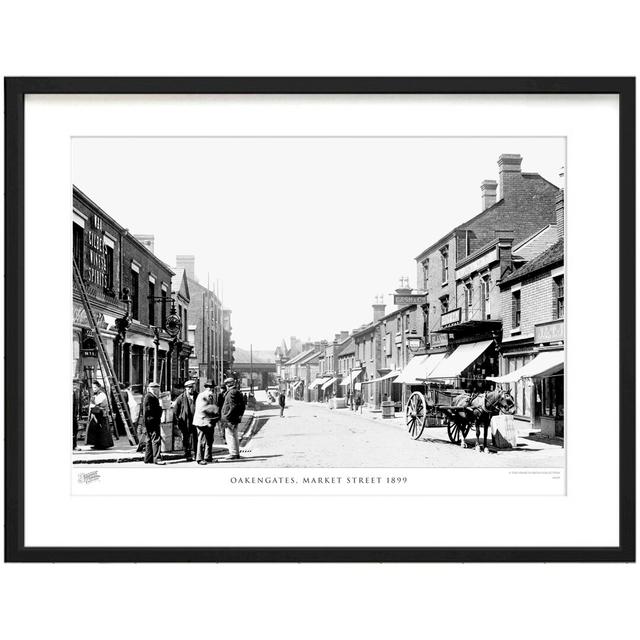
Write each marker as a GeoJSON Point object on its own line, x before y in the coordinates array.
{"type": "Point", "coordinates": [320, 319]}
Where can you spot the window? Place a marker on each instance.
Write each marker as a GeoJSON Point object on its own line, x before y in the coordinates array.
{"type": "Point", "coordinates": [425, 272]}
{"type": "Point", "coordinates": [485, 300]}
{"type": "Point", "coordinates": [444, 304]}
{"type": "Point", "coordinates": [108, 254]}
{"type": "Point", "coordinates": [515, 309]}
{"type": "Point", "coordinates": [135, 287]}
{"type": "Point", "coordinates": [399, 324]}
{"type": "Point", "coordinates": [78, 247]}
{"type": "Point", "coordinates": [163, 307]}
{"type": "Point", "coordinates": [468, 301]}
{"type": "Point", "coordinates": [558, 285]}
{"type": "Point", "coordinates": [184, 323]}
{"type": "Point", "coordinates": [152, 303]}
{"type": "Point", "coordinates": [444, 257]}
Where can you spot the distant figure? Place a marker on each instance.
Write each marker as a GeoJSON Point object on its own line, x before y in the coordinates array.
{"type": "Point", "coordinates": [98, 432]}
{"type": "Point", "coordinates": [152, 416]}
{"type": "Point", "coordinates": [359, 402]}
{"type": "Point", "coordinates": [281, 402]}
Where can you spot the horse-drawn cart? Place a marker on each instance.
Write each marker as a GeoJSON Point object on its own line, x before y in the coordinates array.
{"type": "Point", "coordinates": [455, 409]}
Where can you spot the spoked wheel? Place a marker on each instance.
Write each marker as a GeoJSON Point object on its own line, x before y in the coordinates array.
{"type": "Point", "coordinates": [457, 431]}
{"type": "Point", "coordinates": [416, 413]}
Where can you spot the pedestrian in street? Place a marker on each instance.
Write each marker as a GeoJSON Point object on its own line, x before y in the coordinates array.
{"type": "Point", "coordinates": [232, 412]}
{"type": "Point", "coordinates": [183, 412]}
{"type": "Point", "coordinates": [152, 411]}
{"type": "Point", "coordinates": [282, 402]}
{"type": "Point", "coordinates": [98, 431]}
{"type": "Point", "coordinates": [359, 402]}
{"type": "Point", "coordinates": [204, 418]}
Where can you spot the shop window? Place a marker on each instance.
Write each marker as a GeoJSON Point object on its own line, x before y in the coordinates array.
{"type": "Point", "coordinates": [515, 309]}
{"type": "Point", "coordinates": [135, 291]}
{"type": "Point", "coordinates": [78, 246]}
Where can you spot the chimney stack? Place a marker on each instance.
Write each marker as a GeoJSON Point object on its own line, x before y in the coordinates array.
{"type": "Point", "coordinates": [488, 189]}
{"type": "Point", "coordinates": [148, 240]}
{"type": "Point", "coordinates": [378, 308]}
{"type": "Point", "coordinates": [560, 212]}
{"type": "Point", "coordinates": [188, 263]}
{"type": "Point", "coordinates": [510, 171]}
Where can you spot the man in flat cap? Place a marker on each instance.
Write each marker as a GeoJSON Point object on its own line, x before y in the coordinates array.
{"type": "Point", "coordinates": [232, 412]}
{"type": "Point", "coordinates": [152, 417]}
{"type": "Point", "coordinates": [183, 412]}
{"type": "Point", "coordinates": [204, 417]}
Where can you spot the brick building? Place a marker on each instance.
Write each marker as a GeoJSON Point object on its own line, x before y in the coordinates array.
{"type": "Point", "coordinates": [461, 271]}
{"type": "Point", "coordinates": [532, 352]}
{"type": "Point", "coordinates": [208, 330]}
{"type": "Point", "coordinates": [124, 280]}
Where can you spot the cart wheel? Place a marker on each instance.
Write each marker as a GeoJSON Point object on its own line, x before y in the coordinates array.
{"type": "Point", "coordinates": [456, 432]}
{"type": "Point", "coordinates": [416, 414]}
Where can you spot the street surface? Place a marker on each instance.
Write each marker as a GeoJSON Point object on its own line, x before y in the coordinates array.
{"type": "Point", "coordinates": [312, 435]}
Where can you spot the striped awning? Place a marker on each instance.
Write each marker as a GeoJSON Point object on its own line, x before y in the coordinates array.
{"type": "Point", "coordinates": [546, 363]}
{"type": "Point", "coordinates": [328, 383]}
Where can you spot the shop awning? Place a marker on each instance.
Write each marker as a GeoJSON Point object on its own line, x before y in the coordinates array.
{"type": "Point", "coordinates": [328, 383]}
{"type": "Point", "coordinates": [296, 385]}
{"type": "Point", "coordinates": [419, 368]}
{"type": "Point", "coordinates": [350, 378]}
{"type": "Point", "coordinates": [388, 376]}
{"type": "Point", "coordinates": [546, 363]}
{"type": "Point", "coordinates": [459, 360]}
{"type": "Point", "coordinates": [317, 382]}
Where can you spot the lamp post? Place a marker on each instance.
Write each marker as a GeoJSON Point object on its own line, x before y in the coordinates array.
{"type": "Point", "coordinates": [172, 326]}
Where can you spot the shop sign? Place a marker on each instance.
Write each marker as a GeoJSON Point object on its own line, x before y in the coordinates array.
{"type": "Point", "coordinates": [80, 317]}
{"type": "Point", "coordinates": [438, 340]}
{"type": "Point", "coordinates": [549, 332]}
{"type": "Point", "coordinates": [404, 300]}
{"type": "Point", "coordinates": [476, 265]}
{"type": "Point", "coordinates": [451, 317]}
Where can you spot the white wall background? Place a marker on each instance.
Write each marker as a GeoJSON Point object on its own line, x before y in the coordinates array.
{"type": "Point", "coordinates": [328, 38]}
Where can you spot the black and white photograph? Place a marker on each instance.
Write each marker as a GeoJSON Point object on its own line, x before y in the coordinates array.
{"type": "Point", "coordinates": [318, 302]}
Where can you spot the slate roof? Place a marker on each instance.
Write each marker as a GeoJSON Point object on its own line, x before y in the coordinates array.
{"type": "Point", "coordinates": [552, 256]}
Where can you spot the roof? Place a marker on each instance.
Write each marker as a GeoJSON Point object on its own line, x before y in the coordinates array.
{"type": "Point", "coordinates": [296, 359]}
{"type": "Point", "coordinates": [309, 357]}
{"type": "Point", "coordinates": [366, 329]}
{"type": "Point", "coordinates": [179, 283]}
{"type": "Point", "coordinates": [398, 311]}
{"type": "Point", "coordinates": [536, 243]}
{"type": "Point", "coordinates": [552, 256]}
{"type": "Point", "coordinates": [348, 346]}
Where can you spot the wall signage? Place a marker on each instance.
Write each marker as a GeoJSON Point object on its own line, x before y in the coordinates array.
{"type": "Point", "coordinates": [403, 300]}
{"type": "Point", "coordinates": [451, 317]}
{"type": "Point", "coordinates": [549, 332]}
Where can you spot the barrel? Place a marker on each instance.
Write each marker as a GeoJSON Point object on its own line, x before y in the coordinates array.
{"type": "Point", "coordinates": [388, 409]}
{"type": "Point", "coordinates": [504, 431]}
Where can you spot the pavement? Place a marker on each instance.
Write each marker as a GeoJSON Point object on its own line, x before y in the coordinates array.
{"type": "Point", "coordinates": [123, 452]}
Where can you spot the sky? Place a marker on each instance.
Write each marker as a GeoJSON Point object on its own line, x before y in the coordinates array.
{"type": "Point", "coordinates": [302, 233]}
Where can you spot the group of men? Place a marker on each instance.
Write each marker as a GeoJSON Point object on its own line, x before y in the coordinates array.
{"type": "Point", "coordinates": [196, 416]}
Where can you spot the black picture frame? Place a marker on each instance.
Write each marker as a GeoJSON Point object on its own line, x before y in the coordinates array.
{"type": "Point", "coordinates": [15, 91]}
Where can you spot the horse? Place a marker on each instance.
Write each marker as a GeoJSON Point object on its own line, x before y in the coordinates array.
{"type": "Point", "coordinates": [484, 406]}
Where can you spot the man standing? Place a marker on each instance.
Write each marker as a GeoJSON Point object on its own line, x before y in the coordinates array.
{"type": "Point", "coordinates": [152, 417]}
{"type": "Point", "coordinates": [204, 417]}
{"type": "Point", "coordinates": [282, 402]}
{"type": "Point", "coordinates": [183, 411]}
{"type": "Point", "coordinates": [232, 412]}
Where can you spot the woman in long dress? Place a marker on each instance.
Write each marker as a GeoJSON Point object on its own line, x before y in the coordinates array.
{"type": "Point", "coordinates": [98, 432]}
